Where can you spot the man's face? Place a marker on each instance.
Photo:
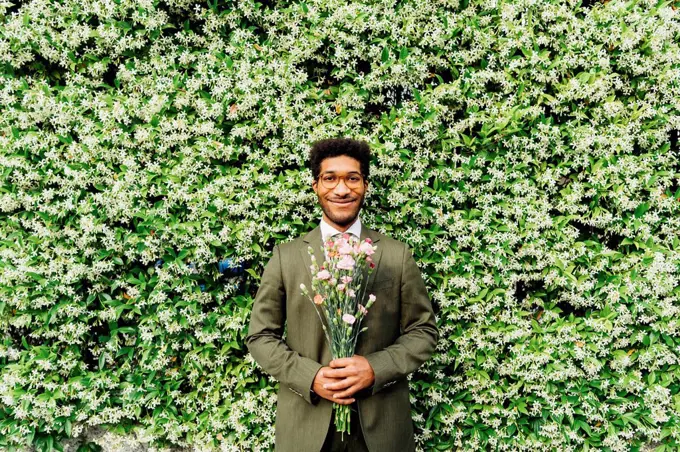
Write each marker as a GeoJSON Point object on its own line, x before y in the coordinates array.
{"type": "Point", "coordinates": [341, 204]}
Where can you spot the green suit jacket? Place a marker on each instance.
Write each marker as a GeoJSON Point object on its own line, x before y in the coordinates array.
{"type": "Point", "coordinates": [401, 335]}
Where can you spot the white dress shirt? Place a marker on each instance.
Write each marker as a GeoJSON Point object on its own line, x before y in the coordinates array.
{"type": "Point", "coordinates": [329, 231]}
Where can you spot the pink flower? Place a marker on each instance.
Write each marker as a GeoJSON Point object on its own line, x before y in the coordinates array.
{"type": "Point", "coordinates": [318, 299]}
{"type": "Point", "coordinates": [345, 248]}
{"type": "Point", "coordinates": [346, 263]}
{"type": "Point", "coordinates": [363, 310]}
{"type": "Point", "coordinates": [323, 275]}
{"type": "Point", "coordinates": [348, 318]}
{"type": "Point", "coordinates": [366, 248]}
{"type": "Point", "coordinates": [346, 279]}
{"type": "Point", "coordinates": [351, 293]}
{"type": "Point", "coordinates": [341, 287]}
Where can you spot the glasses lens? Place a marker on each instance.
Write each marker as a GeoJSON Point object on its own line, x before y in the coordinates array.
{"type": "Point", "coordinates": [353, 181]}
{"type": "Point", "coordinates": [329, 181]}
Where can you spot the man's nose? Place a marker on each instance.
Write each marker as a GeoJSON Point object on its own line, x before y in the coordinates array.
{"type": "Point", "coordinates": [342, 188]}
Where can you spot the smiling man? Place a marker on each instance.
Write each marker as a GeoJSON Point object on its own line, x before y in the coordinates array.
{"type": "Point", "coordinates": [401, 332]}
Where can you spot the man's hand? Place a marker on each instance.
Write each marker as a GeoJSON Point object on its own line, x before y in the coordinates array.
{"type": "Point", "coordinates": [321, 383]}
{"type": "Point", "coordinates": [350, 374]}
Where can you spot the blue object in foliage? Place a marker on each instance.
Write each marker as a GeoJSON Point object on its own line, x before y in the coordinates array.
{"type": "Point", "coordinates": [159, 263]}
{"type": "Point", "coordinates": [229, 267]}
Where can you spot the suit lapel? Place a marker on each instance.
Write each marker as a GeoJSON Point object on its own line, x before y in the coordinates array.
{"type": "Point", "coordinates": [313, 239]}
{"type": "Point", "coordinates": [371, 234]}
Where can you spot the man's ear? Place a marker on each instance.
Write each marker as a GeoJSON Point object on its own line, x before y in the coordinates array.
{"type": "Point", "coordinates": [315, 186]}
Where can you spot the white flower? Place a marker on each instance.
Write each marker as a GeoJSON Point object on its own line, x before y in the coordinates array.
{"type": "Point", "coordinates": [348, 318]}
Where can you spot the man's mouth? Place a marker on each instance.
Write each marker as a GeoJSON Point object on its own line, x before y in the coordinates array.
{"type": "Point", "coordinates": [342, 202]}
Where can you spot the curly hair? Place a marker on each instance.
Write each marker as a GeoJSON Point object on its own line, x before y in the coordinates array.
{"type": "Point", "coordinates": [335, 147]}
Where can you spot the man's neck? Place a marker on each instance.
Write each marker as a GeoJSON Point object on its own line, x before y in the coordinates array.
{"type": "Point", "coordinates": [328, 227]}
{"type": "Point", "coordinates": [337, 226]}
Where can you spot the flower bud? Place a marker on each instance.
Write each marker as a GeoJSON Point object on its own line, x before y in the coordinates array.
{"type": "Point", "coordinates": [371, 300]}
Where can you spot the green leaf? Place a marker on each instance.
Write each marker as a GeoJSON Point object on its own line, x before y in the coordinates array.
{"type": "Point", "coordinates": [385, 55]}
{"type": "Point", "coordinates": [641, 210]}
{"type": "Point", "coordinates": [403, 53]}
{"type": "Point", "coordinates": [37, 277]}
{"type": "Point", "coordinates": [559, 263]}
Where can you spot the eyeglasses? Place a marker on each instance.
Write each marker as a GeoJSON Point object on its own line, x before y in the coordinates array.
{"type": "Point", "coordinates": [331, 180]}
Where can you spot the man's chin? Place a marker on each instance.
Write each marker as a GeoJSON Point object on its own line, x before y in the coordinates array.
{"type": "Point", "coordinates": [342, 220]}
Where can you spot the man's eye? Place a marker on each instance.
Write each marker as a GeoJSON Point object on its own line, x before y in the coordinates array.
{"type": "Point", "coordinates": [329, 178]}
{"type": "Point", "coordinates": [354, 178]}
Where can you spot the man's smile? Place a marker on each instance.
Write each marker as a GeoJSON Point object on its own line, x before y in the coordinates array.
{"type": "Point", "coordinates": [342, 202]}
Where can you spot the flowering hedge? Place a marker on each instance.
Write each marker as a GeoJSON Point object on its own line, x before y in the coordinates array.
{"type": "Point", "coordinates": [152, 153]}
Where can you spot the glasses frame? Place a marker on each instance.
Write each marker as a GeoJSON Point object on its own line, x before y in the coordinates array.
{"type": "Point", "coordinates": [344, 178]}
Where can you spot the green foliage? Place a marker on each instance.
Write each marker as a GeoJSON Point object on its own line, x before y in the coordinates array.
{"type": "Point", "coordinates": [526, 151]}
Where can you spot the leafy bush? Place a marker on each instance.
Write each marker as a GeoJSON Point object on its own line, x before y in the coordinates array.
{"type": "Point", "coordinates": [525, 150]}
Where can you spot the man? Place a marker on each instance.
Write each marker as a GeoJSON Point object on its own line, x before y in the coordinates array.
{"type": "Point", "coordinates": [401, 332]}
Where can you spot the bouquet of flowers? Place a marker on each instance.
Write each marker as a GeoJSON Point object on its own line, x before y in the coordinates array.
{"type": "Point", "coordinates": [339, 297]}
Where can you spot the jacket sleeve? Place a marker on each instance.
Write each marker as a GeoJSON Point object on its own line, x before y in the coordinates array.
{"type": "Point", "coordinates": [419, 330]}
{"type": "Point", "coordinates": [264, 339]}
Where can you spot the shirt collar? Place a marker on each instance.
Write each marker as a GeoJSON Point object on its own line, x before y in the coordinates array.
{"type": "Point", "coordinates": [329, 231]}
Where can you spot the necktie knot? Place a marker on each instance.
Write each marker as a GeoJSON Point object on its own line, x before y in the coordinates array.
{"type": "Point", "coordinates": [340, 234]}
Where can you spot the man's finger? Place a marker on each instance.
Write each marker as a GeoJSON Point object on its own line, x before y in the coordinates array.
{"type": "Point", "coordinates": [341, 362]}
{"type": "Point", "coordinates": [346, 393]}
{"type": "Point", "coordinates": [342, 384]}
{"type": "Point", "coordinates": [343, 401]}
{"type": "Point", "coordinates": [342, 372]}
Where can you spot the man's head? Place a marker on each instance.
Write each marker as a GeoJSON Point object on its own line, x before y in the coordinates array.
{"type": "Point", "coordinates": [340, 167]}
